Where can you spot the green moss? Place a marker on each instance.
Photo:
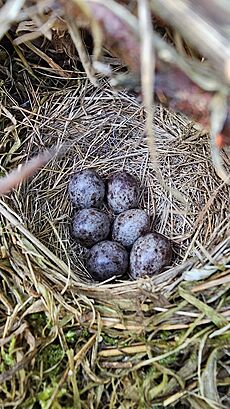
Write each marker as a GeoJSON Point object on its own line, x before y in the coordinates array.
{"type": "Point", "coordinates": [46, 394]}
{"type": "Point", "coordinates": [85, 333]}
{"type": "Point", "coordinates": [51, 356]}
{"type": "Point", "coordinates": [8, 356]}
{"type": "Point", "coordinates": [165, 335]}
{"type": "Point", "coordinates": [37, 320]}
{"type": "Point", "coordinates": [71, 336]}
{"type": "Point", "coordinates": [109, 340]}
{"type": "Point", "coordinates": [169, 360]}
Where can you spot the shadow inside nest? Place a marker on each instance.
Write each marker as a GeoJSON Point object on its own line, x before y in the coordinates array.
{"type": "Point", "coordinates": [104, 130]}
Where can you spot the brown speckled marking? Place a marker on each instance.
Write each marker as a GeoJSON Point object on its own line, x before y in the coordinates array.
{"type": "Point", "coordinates": [129, 226]}
{"type": "Point", "coordinates": [107, 259]}
{"type": "Point", "coordinates": [86, 189]}
{"type": "Point", "coordinates": [149, 254]}
{"type": "Point", "coordinates": [90, 226]}
{"type": "Point", "coordinates": [123, 192]}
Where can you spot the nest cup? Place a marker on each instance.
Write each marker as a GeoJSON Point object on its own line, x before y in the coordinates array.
{"type": "Point", "coordinates": [104, 130]}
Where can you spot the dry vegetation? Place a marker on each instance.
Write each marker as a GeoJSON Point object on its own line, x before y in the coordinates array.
{"type": "Point", "coordinates": [67, 342]}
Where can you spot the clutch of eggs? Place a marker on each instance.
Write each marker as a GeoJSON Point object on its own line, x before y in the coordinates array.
{"type": "Point", "coordinates": [109, 246]}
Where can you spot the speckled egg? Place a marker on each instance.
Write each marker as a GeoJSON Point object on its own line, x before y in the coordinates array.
{"type": "Point", "coordinates": [107, 259]}
{"type": "Point", "coordinates": [90, 226]}
{"type": "Point", "coordinates": [130, 225]}
{"type": "Point", "coordinates": [149, 254]}
{"type": "Point", "coordinates": [123, 192]}
{"type": "Point", "coordinates": [86, 189]}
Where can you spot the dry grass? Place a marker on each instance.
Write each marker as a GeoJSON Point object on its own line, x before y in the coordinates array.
{"type": "Point", "coordinates": [65, 341]}
{"type": "Point", "coordinates": [105, 130]}
{"type": "Point", "coordinates": [120, 339]}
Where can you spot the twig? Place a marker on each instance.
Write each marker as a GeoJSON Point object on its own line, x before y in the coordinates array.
{"type": "Point", "coordinates": [14, 178]}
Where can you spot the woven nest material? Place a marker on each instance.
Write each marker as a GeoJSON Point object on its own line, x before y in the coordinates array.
{"type": "Point", "coordinates": [104, 130]}
{"type": "Point", "coordinates": [126, 322]}
{"type": "Point", "coordinates": [134, 331]}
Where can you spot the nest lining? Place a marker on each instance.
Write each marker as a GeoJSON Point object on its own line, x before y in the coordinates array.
{"type": "Point", "coordinates": [104, 129]}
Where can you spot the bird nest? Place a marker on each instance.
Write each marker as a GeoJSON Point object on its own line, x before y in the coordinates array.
{"type": "Point", "coordinates": [43, 269]}
{"type": "Point", "coordinates": [104, 130]}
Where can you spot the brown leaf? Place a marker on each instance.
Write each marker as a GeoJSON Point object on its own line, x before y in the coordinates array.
{"type": "Point", "coordinates": [119, 37]}
{"type": "Point", "coordinates": [173, 88]}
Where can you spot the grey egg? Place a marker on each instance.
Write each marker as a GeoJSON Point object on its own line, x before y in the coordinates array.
{"type": "Point", "coordinates": [149, 254]}
{"type": "Point", "coordinates": [107, 259]}
{"type": "Point", "coordinates": [86, 189]}
{"type": "Point", "coordinates": [130, 225]}
{"type": "Point", "coordinates": [123, 192]}
{"type": "Point", "coordinates": [89, 226]}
